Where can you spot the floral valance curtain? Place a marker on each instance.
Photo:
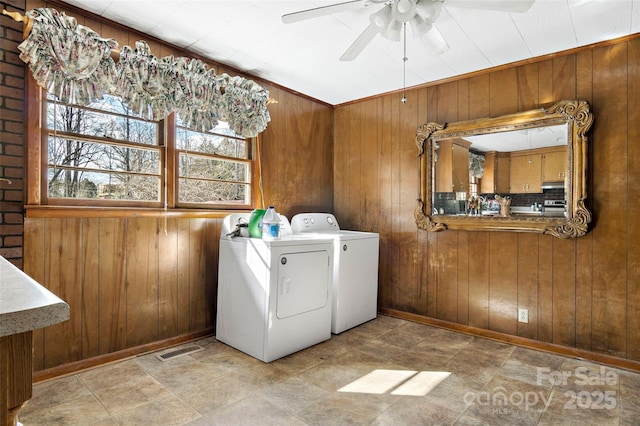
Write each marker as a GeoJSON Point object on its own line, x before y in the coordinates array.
{"type": "Point", "coordinates": [71, 61]}
{"type": "Point", "coordinates": [75, 64]}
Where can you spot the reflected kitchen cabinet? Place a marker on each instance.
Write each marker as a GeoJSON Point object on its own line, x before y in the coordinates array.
{"type": "Point", "coordinates": [495, 178]}
{"type": "Point", "coordinates": [554, 165]}
{"type": "Point", "coordinates": [526, 172]}
{"type": "Point", "coordinates": [452, 166]}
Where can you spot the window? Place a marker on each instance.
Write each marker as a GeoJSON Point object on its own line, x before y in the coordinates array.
{"type": "Point", "coordinates": [103, 154]}
{"type": "Point", "coordinates": [473, 186]}
{"type": "Point", "coordinates": [213, 167]}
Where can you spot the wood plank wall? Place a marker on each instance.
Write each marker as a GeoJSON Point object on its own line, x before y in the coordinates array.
{"type": "Point", "coordinates": [128, 281]}
{"type": "Point", "coordinates": [133, 279]}
{"type": "Point", "coordinates": [582, 293]}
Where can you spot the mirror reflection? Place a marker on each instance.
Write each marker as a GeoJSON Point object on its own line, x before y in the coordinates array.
{"type": "Point", "coordinates": [526, 169]}
{"type": "Point", "coordinates": [523, 172]}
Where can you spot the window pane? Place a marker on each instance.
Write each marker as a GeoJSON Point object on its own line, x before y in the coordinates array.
{"type": "Point", "coordinates": [93, 155]}
{"type": "Point", "coordinates": [73, 183]}
{"type": "Point", "coordinates": [81, 169]}
{"type": "Point", "coordinates": [201, 191]}
{"type": "Point", "coordinates": [66, 118]}
{"type": "Point", "coordinates": [211, 144]}
{"type": "Point", "coordinates": [194, 166]}
{"type": "Point", "coordinates": [207, 171]}
{"type": "Point", "coordinates": [221, 129]}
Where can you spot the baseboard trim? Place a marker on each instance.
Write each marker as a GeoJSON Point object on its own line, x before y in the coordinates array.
{"type": "Point", "coordinates": [85, 364]}
{"type": "Point", "coordinates": [519, 341]}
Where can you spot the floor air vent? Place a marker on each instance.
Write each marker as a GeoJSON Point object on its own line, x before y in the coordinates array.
{"type": "Point", "coordinates": [179, 352]}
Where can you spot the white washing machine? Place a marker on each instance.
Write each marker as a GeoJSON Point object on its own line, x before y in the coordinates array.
{"type": "Point", "coordinates": [355, 276]}
{"type": "Point", "coordinates": [274, 297]}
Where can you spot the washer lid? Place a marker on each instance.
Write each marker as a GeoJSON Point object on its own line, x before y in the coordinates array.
{"type": "Point", "coordinates": [303, 242]}
{"type": "Point", "coordinates": [355, 235]}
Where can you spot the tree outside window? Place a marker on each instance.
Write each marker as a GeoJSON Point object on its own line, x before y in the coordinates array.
{"type": "Point", "coordinates": [103, 152]}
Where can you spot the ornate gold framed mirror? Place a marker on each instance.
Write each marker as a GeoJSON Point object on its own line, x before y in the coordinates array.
{"type": "Point", "coordinates": [523, 172]}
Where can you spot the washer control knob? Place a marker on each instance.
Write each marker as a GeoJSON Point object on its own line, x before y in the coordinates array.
{"type": "Point", "coordinates": [283, 260]}
{"type": "Point", "coordinates": [344, 247]}
{"type": "Point", "coordinates": [329, 220]}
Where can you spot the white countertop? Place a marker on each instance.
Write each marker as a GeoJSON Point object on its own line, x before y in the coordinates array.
{"type": "Point", "coordinates": [24, 304]}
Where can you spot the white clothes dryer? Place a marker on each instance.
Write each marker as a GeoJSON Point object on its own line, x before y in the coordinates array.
{"type": "Point", "coordinates": [274, 297]}
{"type": "Point", "coordinates": [355, 275]}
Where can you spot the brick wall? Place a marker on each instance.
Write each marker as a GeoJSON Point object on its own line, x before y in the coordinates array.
{"type": "Point", "coordinates": [12, 134]}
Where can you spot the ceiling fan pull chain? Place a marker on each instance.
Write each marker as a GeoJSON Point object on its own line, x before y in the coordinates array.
{"type": "Point", "coordinates": [404, 65]}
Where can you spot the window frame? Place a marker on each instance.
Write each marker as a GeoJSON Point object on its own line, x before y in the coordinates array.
{"type": "Point", "coordinates": [36, 177]}
{"type": "Point", "coordinates": [56, 201]}
{"type": "Point", "coordinates": [176, 180]}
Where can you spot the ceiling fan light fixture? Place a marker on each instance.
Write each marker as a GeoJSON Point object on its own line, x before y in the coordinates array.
{"type": "Point", "coordinates": [392, 32]}
{"type": "Point", "coordinates": [429, 10]}
{"type": "Point", "coordinates": [419, 26]}
{"type": "Point", "coordinates": [381, 18]}
{"type": "Point", "coordinates": [404, 6]}
{"type": "Point", "coordinates": [403, 10]}
{"type": "Point", "coordinates": [434, 42]}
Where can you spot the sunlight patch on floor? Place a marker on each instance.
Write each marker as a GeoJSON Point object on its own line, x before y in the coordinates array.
{"type": "Point", "coordinates": [397, 382]}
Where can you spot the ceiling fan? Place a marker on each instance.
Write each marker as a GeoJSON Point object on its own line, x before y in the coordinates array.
{"type": "Point", "coordinates": [390, 19]}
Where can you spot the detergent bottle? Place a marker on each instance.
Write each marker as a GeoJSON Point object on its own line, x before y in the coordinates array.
{"type": "Point", "coordinates": [271, 224]}
{"type": "Point", "coordinates": [255, 223]}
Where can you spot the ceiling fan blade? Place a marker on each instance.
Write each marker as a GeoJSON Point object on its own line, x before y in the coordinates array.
{"type": "Point", "coordinates": [501, 5]}
{"type": "Point", "coordinates": [434, 42]}
{"type": "Point", "coordinates": [360, 43]}
{"type": "Point", "coordinates": [320, 11]}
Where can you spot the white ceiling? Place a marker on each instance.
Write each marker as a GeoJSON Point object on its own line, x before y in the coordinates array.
{"type": "Point", "coordinates": [249, 35]}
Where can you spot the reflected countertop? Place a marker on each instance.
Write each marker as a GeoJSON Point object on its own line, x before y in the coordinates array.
{"type": "Point", "coordinates": [525, 211]}
{"type": "Point", "coordinates": [25, 304]}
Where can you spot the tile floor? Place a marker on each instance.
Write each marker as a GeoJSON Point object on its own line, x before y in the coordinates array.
{"type": "Point", "coordinates": [398, 372]}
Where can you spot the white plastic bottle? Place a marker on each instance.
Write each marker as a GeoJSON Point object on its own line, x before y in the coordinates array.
{"type": "Point", "coordinates": [271, 224]}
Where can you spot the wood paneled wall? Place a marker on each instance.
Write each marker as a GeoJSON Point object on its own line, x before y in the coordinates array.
{"type": "Point", "coordinates": [582, 293]}
{"type": "Point", "coordinates": [128, 281]}
{"type": "Point", "coordinates": [133, 279]}
{"type": "Point", "coordinates": [297, 155]}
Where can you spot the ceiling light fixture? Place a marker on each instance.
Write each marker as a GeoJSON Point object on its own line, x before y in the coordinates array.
{"type": "Point", "coordinates": [388, 20]}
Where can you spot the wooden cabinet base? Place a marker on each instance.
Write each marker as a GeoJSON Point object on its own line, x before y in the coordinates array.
{"type": "Point", "coordinates": [16, 371]}
{"type": "Point", "coordinates": [12, 416]}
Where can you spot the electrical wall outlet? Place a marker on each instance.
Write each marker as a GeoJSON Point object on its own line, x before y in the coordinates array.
{"type": "Point", "coordinates": [523, 315]}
